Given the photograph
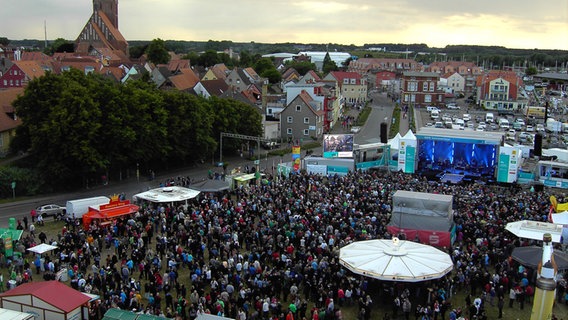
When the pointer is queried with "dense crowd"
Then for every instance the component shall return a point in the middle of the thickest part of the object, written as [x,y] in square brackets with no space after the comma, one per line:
[270,251]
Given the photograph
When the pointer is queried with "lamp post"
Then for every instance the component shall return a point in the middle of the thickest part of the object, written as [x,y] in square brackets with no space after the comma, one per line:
[137,172]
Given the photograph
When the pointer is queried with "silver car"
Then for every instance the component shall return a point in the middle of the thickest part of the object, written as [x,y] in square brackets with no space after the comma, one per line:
[50,210]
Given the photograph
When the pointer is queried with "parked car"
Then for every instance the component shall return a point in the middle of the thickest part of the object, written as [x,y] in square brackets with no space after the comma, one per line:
[270,144]
[452,106]
[530,128]
[355,129]
[540,128]
[51,210]
[466,117]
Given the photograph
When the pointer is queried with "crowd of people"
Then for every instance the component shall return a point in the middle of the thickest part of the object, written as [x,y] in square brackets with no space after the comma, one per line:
[270,251]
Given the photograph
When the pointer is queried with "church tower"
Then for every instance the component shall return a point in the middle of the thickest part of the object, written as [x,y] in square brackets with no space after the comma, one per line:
[110,9]
[101,36]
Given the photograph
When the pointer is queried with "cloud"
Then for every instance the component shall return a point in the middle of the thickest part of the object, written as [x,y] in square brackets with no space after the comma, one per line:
[510,23]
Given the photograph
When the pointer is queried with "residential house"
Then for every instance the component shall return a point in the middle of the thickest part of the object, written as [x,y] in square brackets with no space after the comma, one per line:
[16,74]
[468,70]
[185,80]
[352,86]
[218,71]
[499,90]
[452,82]
[238,80]
[302,119]
[208,88]
[290,75]
[88,65]
[421,89]
[8,119]
[386,80]
[364,65]
[310,77]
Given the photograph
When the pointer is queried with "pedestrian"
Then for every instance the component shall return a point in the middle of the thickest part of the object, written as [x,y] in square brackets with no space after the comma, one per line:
[406,308]
[33,214]
[500,304]
[512,297]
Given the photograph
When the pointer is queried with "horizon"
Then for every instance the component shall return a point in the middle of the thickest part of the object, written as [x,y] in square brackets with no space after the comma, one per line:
[520,24]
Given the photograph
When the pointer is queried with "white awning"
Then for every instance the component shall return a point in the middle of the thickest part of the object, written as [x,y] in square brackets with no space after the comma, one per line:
[42,248]
[167,194]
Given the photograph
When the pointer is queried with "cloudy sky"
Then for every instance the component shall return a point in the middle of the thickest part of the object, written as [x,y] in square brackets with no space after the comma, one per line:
[511,23]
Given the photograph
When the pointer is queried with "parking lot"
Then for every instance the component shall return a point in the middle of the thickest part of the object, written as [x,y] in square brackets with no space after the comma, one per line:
[518,131]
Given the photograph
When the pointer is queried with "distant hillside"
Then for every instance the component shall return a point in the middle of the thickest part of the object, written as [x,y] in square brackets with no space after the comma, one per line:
[490,56]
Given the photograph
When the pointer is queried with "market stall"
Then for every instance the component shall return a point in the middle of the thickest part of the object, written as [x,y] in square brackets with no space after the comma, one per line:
[106,213]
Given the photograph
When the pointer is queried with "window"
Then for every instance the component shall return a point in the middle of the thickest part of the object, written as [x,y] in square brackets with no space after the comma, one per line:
[269,111]
[353,81]
[5,82]
[306,120]
[425,86]
[289,131]
[345,81]
[306,132]
[298,108]
[432,86]
[427,98]
[412,86]
[290,119]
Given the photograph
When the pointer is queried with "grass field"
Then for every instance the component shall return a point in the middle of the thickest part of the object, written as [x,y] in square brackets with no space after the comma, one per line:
[52,228]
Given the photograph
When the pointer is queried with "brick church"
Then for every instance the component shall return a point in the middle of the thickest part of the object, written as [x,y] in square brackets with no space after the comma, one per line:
[100,37]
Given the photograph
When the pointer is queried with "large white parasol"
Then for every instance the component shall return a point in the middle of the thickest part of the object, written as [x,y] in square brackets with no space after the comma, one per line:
[395,260]
[167,194]
[534,229]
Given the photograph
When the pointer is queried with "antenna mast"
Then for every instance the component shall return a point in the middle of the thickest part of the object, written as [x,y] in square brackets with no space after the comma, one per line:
[45,31]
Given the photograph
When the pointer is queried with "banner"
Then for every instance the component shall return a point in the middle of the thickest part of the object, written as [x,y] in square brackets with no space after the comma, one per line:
[296,158]
[429,237]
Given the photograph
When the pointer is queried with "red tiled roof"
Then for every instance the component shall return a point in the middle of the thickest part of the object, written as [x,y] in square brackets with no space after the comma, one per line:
[30,68]
[7,97]
[185,80]
[53,292]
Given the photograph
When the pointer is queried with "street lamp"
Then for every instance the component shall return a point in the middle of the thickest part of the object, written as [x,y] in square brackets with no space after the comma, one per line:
[137,172]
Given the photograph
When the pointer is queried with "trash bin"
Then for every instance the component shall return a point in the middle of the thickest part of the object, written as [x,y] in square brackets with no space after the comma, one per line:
[11,284]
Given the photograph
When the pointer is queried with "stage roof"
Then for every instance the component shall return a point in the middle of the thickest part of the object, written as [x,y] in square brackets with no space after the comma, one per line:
[465,136]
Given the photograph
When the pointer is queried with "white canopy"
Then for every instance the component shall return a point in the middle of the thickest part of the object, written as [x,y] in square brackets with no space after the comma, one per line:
[560,218]
[535,229]
[167,194]
[42,248]
[395,260]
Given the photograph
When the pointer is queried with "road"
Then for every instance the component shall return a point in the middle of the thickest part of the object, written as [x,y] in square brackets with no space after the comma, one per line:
[381,107]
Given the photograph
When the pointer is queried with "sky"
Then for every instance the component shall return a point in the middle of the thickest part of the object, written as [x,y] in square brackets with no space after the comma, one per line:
[519,24]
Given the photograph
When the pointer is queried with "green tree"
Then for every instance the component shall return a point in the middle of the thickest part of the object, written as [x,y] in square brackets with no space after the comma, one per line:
[328,64]
[136,51]
[302,67]
[273,75]
[157,52]
[531,71]
[263,65]
[59,45]
[208,58]
[4,41]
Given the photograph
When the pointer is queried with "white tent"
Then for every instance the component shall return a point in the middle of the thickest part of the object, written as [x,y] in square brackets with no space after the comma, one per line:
[42,248]
[535,229]
[395,260]
[560,218]
[394,143]
[167,194]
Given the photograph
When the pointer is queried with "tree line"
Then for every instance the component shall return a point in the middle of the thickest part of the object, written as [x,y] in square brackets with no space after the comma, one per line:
[77,128]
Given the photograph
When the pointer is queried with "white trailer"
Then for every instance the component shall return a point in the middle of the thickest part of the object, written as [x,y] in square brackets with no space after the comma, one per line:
[77,208]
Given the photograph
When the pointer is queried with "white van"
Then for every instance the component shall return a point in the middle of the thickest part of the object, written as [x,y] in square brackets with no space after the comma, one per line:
[489,118]
[504,124]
